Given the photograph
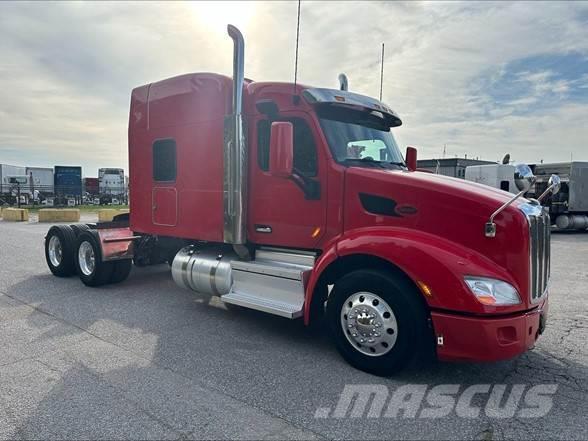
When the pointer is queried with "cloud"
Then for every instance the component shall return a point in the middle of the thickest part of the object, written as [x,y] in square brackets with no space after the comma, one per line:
[481,77]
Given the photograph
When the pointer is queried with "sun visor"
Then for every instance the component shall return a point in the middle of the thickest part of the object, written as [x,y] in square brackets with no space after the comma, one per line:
[343,98]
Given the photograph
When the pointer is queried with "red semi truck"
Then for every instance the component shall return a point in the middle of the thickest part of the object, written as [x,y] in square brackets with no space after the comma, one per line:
[296,201]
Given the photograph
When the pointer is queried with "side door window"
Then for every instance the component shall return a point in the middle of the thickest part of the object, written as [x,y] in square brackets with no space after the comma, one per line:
[305,156]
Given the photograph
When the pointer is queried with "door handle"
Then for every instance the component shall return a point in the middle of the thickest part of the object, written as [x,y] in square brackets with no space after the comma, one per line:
[263,229]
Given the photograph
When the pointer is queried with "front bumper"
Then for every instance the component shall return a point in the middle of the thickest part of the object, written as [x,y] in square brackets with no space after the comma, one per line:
[461,338]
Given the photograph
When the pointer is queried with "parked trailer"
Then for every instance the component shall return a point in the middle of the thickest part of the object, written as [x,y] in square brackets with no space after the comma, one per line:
[296,201]
[111,181]
[7,170]
[42,179]
[500,176]
[68,183]
[91,186]
[568,208]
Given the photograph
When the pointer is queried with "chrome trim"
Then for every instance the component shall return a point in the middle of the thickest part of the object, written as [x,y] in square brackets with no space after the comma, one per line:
[539,250]
[86,258]
[369,324]
[55,251]
[349,99]
[235,154]
[490,226]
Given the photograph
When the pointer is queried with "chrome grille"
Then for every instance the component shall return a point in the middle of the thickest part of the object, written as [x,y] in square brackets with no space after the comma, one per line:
[540,235]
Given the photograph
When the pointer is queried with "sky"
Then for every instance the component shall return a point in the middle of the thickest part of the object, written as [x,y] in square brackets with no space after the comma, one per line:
[480,78]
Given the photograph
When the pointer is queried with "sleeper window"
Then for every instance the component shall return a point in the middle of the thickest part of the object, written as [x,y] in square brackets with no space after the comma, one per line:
[164,160]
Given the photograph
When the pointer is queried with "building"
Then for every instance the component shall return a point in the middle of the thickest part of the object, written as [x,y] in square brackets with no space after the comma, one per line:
[454,167]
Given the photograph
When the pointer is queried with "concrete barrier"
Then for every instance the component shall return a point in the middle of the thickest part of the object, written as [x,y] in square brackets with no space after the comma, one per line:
[15,214]
[59,215]
[106,214]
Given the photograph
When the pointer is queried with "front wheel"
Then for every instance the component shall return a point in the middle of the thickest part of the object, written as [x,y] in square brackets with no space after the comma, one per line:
[377,321]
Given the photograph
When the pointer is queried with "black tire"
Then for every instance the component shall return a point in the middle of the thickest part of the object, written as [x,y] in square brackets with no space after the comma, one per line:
[66,237]
[79,228]
[102,271]
[411,335]
[121,270]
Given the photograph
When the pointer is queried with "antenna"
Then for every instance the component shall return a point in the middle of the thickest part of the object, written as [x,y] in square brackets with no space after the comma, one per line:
[382,73]
[295,100]
[444,150]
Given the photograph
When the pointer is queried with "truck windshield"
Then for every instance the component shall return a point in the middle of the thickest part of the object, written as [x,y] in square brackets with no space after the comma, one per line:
[359,137]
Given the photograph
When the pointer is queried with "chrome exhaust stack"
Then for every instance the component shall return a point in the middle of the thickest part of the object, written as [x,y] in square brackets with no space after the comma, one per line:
[235,153]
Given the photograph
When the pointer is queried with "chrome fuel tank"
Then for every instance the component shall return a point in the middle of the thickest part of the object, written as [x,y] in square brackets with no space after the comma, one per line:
[207,271]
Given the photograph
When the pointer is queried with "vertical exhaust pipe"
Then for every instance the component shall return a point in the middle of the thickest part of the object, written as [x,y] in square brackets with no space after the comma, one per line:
[235,153]
[343,82]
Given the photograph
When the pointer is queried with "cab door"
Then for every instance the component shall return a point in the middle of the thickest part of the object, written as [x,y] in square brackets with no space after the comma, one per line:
[288,212]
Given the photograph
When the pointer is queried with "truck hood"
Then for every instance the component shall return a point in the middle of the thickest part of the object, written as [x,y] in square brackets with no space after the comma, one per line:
[451,208]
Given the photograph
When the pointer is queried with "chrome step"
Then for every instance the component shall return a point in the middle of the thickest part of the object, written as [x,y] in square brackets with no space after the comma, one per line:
[272,286]
[270,306]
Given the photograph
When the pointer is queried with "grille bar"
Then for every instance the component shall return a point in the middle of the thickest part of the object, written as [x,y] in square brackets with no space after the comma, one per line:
[540,235]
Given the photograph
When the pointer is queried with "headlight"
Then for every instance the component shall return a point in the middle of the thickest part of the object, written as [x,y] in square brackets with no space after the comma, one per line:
[492,291]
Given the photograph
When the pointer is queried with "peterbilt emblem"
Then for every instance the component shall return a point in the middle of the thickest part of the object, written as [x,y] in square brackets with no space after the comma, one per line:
[406,209]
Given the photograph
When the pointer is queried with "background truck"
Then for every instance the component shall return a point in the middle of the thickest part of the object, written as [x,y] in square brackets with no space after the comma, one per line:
[111,182]
[296,201]
[568,208]
[500,176]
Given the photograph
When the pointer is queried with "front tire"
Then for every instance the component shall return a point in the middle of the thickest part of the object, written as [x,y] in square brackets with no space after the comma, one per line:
[88,257]
[377,320]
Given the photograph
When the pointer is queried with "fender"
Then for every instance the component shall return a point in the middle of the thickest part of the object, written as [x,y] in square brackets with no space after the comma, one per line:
[423,257]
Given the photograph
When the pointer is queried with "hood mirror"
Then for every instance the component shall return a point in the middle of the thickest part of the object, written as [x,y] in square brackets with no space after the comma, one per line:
[553,186]
[524,180]
[524,177]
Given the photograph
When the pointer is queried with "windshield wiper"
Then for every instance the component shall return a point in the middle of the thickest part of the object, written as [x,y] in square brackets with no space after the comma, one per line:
[369,160]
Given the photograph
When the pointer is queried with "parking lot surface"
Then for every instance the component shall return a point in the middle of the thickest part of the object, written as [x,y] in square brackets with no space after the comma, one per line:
[147,360]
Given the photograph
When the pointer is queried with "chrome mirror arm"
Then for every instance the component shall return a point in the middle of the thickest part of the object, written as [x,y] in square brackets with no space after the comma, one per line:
[547,190]
[490,226]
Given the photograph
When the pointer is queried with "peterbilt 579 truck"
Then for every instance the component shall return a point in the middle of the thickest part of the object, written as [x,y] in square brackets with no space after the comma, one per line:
[296,201]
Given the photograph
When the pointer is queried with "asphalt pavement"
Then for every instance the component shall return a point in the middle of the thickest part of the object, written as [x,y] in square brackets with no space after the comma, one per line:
[145,359]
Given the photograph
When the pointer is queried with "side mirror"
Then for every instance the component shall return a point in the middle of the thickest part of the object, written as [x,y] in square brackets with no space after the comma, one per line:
[411,158]
[555,184]
[524,177]
[281,149]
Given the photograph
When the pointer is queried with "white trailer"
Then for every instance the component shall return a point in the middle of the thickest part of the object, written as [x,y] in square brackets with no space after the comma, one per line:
[111,181]
[9,170]
[494,175]
[42,179]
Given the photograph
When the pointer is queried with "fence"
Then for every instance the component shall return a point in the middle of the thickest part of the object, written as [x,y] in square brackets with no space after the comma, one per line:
[61,195]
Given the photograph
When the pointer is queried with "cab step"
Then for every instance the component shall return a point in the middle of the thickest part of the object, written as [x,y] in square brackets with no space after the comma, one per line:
[273,283]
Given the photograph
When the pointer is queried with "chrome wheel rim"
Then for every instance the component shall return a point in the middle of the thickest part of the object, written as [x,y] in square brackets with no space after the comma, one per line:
[55,251]
[86,258]
[369,324]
